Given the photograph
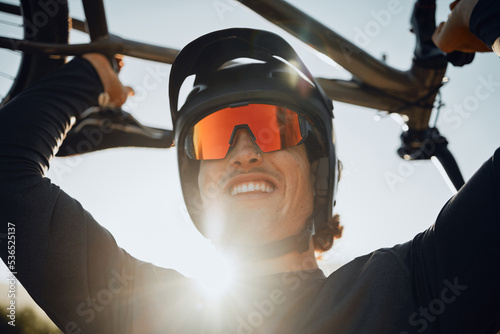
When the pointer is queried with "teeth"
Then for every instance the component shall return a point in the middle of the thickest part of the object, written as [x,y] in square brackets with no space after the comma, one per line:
[251,186]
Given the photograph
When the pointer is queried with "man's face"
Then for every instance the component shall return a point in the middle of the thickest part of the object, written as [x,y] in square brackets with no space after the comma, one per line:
[253,198]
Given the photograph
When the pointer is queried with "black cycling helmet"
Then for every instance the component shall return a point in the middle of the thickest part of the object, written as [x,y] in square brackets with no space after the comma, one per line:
[275,75]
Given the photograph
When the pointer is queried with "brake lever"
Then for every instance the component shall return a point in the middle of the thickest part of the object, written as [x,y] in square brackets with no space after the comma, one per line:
[103,128]
[425,144]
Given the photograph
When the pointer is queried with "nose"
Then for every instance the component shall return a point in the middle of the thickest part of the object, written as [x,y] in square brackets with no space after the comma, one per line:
[244,151]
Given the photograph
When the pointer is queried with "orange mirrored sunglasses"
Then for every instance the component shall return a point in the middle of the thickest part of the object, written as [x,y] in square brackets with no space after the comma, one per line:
[271,127]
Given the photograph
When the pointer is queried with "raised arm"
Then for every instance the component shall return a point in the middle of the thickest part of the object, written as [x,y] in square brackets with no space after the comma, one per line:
[69,264]
[456,263]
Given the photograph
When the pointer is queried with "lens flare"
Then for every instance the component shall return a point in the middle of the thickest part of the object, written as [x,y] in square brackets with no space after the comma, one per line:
[215,275]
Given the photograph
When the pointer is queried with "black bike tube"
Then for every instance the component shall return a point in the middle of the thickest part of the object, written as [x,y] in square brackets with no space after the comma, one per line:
[55,31]
[97,25]
[445,157]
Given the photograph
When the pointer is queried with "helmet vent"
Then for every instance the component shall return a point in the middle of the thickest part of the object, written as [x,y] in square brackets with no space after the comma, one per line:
[296,70]
[240,61]
[186,88]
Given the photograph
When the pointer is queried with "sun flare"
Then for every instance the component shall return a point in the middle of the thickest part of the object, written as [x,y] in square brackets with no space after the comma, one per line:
[214,275]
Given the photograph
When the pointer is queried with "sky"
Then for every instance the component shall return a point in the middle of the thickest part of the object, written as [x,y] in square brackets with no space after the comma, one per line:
[135,193]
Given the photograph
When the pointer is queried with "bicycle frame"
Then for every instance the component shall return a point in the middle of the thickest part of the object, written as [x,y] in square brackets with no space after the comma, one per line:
[101,40]
[374,84]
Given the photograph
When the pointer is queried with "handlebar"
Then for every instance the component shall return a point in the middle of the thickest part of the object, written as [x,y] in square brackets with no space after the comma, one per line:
[423,145]
[423,21]
[423,24]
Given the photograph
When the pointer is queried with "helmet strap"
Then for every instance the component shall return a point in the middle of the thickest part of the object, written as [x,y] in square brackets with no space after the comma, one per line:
[296,243]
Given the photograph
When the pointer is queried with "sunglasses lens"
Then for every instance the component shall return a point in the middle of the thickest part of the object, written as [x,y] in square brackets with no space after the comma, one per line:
[272,127]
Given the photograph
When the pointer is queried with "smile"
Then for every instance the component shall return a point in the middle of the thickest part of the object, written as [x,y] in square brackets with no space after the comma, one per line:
[246,187]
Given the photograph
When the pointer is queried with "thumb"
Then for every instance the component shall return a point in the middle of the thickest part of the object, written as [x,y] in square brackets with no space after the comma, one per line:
[115,97]
[436,35]
[130,91]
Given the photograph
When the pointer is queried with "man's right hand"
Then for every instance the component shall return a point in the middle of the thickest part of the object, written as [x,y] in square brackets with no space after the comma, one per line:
[115,93]
[454,34]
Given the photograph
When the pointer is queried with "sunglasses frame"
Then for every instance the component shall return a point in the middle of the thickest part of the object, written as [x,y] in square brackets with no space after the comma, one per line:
[304,126]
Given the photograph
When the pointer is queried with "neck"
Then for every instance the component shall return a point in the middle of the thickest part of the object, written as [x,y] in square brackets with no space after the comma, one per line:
[292,261]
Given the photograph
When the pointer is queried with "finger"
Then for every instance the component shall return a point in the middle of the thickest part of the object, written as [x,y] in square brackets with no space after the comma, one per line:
[454,4]
[122,98]
[130,91]
[119,62]
[440,27]
[436,36]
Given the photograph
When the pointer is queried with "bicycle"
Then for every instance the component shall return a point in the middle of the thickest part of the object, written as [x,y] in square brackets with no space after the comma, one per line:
[374,85]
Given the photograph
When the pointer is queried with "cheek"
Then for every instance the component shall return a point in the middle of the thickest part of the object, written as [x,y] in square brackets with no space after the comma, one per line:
[305,188]
[305,192]
[206,180]
[301,182]
[210,178]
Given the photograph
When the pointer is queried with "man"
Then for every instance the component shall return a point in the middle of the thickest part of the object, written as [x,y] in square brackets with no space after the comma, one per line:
[258,169]
[238,195]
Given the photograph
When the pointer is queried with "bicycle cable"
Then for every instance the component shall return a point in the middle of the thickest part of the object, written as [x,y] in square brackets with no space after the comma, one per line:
[440,104]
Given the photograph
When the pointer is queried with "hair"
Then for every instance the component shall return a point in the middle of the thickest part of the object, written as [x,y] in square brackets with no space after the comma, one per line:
[331,230]
[323,239]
